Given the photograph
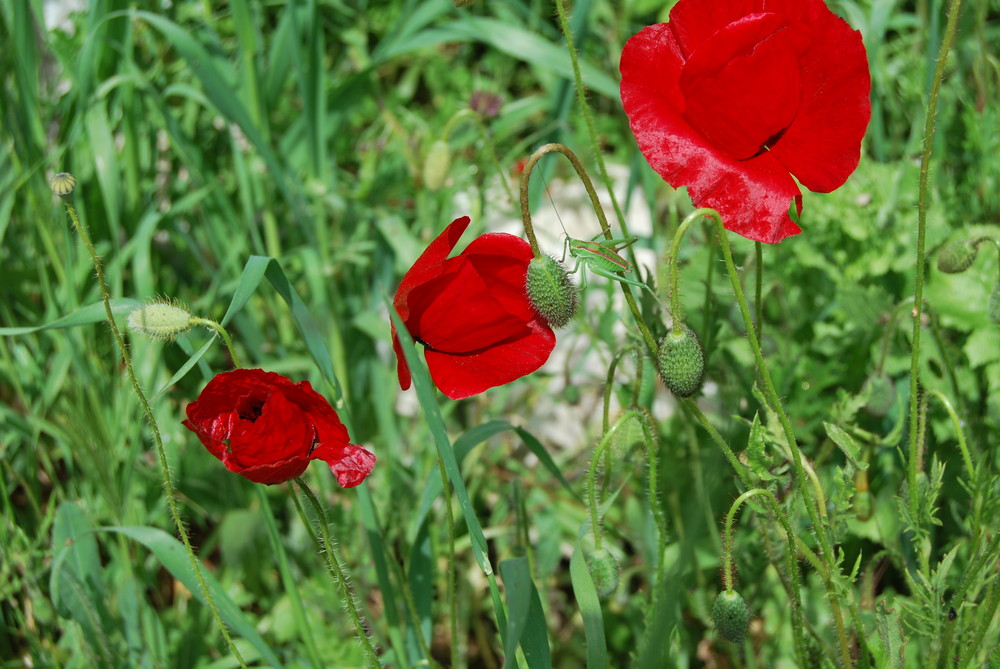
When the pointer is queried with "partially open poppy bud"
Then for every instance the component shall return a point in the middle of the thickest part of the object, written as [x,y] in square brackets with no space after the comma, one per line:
[681,361]
[958,256]
[160,320]
[551,291]
[881,393]
[63,184]
[437,164]
[604,569]
[731,616]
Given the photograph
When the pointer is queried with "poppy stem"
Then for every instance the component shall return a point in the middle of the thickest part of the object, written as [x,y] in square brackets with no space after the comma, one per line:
[339,572]
[918,292]
[815,512]
[81,231]
[581,95]
[595,202]
[221,331]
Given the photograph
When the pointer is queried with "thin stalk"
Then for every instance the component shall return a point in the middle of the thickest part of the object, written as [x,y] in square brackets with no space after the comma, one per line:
[221,331]
[339,572]
[595,202]
[759,288]
[592,505]
[826,549]
[161,455]
[581,94]
[918,292]
[452,598]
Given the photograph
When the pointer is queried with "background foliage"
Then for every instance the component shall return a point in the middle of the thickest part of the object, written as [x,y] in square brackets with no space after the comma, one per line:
[204,133]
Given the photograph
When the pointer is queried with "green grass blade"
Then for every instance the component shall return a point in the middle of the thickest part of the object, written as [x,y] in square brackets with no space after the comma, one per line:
[526,618]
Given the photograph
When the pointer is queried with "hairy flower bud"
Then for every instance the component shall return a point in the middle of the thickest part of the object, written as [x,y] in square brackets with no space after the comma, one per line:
[63,184]
[958,256]
[681,361]
[881,393]
[160,320]
[436,165]
[551,291]
[731,616]
[604,569]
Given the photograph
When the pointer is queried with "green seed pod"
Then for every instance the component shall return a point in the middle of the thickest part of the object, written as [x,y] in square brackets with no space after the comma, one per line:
[994,307]
[881,393]
[436,165]
[551,291]
[957,256]
[160,320]
[63,184]
[731,616]
[682,361]
[604,569]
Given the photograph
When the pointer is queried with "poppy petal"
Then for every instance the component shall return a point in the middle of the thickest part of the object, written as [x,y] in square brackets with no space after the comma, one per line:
[461,376]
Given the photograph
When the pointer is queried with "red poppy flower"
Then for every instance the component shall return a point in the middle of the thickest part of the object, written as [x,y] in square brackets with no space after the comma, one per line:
[471,313]
[266,428]
[732,98]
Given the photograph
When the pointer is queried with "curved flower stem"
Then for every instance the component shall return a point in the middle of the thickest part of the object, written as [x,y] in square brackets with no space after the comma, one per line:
[595,202]
[609,384]
[329,550]
[602,446]
[213,325]
[161,455]
[918,292]
[791,563]
[675,302]
[826,549]
[581,94]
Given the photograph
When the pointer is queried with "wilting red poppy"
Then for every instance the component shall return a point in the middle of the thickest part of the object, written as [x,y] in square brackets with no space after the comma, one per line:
[263,426]
[471,313]
[732,98]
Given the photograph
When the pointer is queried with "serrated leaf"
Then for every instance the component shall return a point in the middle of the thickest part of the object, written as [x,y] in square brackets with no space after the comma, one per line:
[847,445]
[890,632]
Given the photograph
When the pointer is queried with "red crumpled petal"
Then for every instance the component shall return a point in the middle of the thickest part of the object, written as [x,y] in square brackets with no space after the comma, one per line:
[461,376]
[349,463]
[753,196]
[270,473]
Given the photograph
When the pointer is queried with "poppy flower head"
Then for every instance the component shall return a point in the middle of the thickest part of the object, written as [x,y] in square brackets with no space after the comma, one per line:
[268,429]
[471,313]
[734,98]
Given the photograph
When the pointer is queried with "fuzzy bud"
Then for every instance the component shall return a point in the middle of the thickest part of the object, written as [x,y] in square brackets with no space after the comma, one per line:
[436,165]
[958,256]
[731,616]
[551,291]
[881,393]
[63,184]
[682,361]
[604,569]
[160,320]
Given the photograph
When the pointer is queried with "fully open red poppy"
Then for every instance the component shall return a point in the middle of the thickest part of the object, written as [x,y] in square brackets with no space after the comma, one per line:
[732,98]
[471,313]
[263,426]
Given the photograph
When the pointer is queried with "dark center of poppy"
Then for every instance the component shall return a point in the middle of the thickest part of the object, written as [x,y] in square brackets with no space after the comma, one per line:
[250,409]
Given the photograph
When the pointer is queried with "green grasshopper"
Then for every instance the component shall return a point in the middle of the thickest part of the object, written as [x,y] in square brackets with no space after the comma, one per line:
[602,258]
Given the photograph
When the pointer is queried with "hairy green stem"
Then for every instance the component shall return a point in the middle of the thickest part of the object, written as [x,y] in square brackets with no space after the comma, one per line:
[339,572]
[595,202]
[221,331]
[811,504]
[161,455]
[918,293]
[581,94]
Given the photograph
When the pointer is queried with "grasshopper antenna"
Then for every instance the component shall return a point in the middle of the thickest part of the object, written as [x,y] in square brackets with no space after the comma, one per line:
[553,203]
